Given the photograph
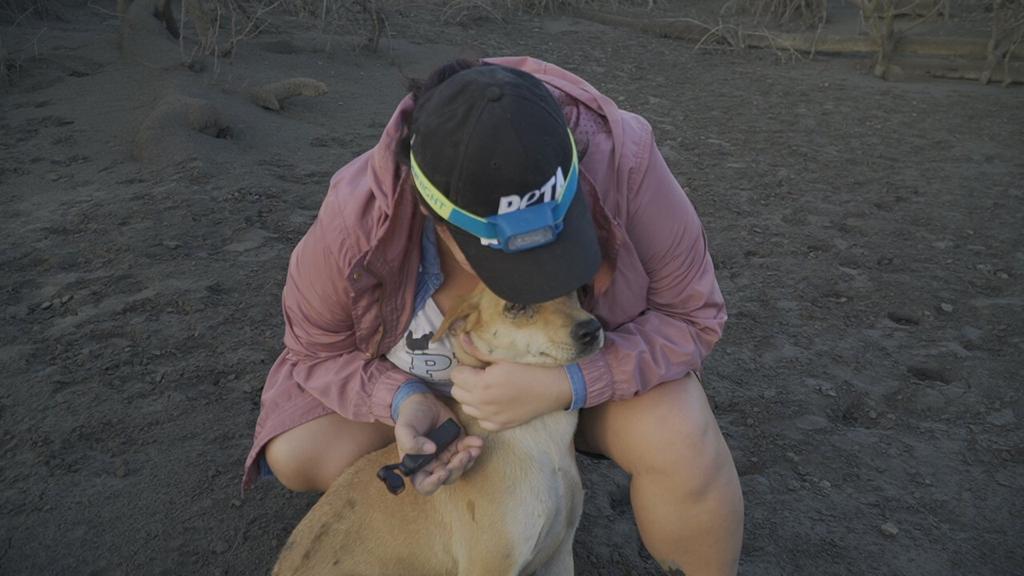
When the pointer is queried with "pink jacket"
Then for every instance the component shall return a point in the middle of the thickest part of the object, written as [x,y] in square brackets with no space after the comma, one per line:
[349,293]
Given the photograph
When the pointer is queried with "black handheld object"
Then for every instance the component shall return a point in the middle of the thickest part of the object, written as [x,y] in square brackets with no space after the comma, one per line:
[442,437]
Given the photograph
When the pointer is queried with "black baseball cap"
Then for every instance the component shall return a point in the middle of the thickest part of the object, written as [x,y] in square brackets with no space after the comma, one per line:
[494,141]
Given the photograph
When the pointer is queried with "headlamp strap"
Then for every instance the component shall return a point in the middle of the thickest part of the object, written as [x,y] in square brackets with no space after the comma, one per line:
[485,228]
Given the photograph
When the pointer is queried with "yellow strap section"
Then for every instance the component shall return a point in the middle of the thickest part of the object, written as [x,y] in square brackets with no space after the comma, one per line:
[441,204]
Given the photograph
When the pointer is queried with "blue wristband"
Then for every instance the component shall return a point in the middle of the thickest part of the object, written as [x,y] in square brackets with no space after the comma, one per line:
[404,391]
[579,386]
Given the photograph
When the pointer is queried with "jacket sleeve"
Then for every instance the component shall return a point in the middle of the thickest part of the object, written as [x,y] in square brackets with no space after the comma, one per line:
[685,311]
[320,336]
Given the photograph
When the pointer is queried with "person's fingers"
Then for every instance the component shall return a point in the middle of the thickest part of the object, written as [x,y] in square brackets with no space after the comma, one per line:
[489,425]
[410,441]
[467,442]
[428,483]
[472,410]
[461,395]
[457,466]
[473,350]
[465,377]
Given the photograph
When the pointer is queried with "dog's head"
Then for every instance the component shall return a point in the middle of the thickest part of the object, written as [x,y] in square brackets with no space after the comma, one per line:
[552,333]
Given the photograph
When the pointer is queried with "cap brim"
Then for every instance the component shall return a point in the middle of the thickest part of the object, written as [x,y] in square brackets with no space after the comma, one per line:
[540,274]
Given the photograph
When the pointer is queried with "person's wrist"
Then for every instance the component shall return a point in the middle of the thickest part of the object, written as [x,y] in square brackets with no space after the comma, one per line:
[577,387]
[562,391]
[406,392]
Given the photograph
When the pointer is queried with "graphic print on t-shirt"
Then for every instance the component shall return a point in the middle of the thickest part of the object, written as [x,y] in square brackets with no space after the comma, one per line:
[420,355]
[418,344]
[423,363]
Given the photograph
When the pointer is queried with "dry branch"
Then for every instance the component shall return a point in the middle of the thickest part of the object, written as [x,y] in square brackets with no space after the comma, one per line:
[1011,74]
[678,28]
[809,12]
[922,8]
[1006,37]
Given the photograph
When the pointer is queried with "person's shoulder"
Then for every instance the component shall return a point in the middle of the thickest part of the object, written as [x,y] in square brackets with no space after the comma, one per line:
[636,141]
[357,200]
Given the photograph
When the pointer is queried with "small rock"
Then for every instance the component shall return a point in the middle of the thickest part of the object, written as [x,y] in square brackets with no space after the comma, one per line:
[946,307]
[792,457]
[811,422]
[889,529]
[972,334]
[236,503]
[926,373]
[45,305]
[825,484]
[121,471]
[903,317]
[172,244]
[1004,417]
[793,486]
[220,547]
[872,414]
[1002,275]
[894,73]
[757,482]
[53,176]
[827,390]
[66,299]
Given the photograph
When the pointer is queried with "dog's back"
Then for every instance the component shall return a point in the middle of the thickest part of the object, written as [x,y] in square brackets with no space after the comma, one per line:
[515,512]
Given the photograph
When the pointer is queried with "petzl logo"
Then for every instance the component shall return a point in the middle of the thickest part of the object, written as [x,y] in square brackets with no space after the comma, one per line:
[545,193]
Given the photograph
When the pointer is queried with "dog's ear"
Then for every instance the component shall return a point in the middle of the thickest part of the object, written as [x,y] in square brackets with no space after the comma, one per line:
[462,319]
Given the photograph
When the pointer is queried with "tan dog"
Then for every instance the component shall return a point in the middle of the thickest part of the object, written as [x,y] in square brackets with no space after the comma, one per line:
[514,512]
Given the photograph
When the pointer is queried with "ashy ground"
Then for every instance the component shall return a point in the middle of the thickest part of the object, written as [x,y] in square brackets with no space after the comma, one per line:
[867,235]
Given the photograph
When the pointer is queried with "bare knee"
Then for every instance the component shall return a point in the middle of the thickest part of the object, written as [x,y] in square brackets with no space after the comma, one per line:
[675,436]
[293,467]
[310,458]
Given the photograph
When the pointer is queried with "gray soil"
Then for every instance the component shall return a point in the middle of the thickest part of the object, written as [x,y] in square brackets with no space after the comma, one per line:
[868,239]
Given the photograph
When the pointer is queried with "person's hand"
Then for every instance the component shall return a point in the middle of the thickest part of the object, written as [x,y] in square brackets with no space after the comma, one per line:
[418,415]
[505,394]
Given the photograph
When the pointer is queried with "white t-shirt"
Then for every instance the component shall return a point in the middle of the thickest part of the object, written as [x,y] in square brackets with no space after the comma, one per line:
[429,361]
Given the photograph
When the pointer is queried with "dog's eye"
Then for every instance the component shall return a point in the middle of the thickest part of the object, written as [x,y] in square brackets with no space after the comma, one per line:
[516,310]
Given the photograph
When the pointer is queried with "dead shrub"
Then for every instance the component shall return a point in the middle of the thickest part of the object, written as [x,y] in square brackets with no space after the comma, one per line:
[364,19]
[220,25]
[458,10]
[1007,34]
[806,13]
[880,18]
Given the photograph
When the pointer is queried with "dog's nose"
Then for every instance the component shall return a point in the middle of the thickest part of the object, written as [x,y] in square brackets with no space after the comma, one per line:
[586,333]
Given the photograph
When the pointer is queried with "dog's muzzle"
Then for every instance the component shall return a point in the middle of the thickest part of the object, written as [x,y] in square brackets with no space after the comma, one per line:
[587,335]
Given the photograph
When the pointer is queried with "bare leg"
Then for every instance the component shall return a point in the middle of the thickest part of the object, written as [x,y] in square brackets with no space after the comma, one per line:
[310,457]
[685,491]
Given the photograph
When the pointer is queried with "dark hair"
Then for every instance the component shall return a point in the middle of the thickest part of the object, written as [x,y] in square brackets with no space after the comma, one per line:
[419,89]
